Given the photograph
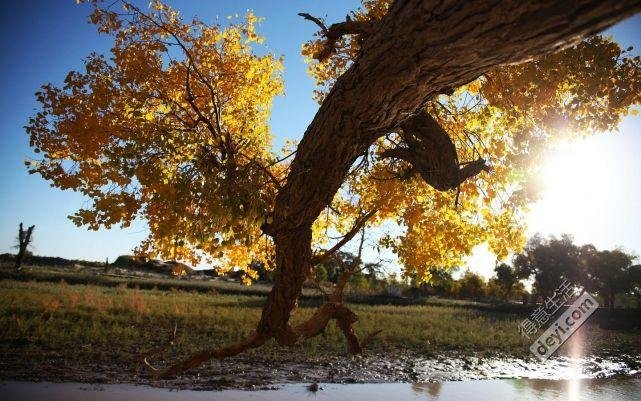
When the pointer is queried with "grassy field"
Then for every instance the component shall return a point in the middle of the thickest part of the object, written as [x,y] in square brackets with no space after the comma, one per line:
[66,324]
[117,323]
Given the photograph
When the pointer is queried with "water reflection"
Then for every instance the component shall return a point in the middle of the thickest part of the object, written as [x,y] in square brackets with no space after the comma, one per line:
[579,389]
[620,389]
[432,389]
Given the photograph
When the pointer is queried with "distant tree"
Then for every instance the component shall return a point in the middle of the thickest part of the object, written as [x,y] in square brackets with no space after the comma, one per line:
[506,278]
[610,273]
[442,282]
[24,240]
[520,293]
[471,286]
[548,262]
[494,290]
[635,281]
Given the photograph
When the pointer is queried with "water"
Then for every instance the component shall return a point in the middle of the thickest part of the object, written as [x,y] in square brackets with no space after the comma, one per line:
[619,389]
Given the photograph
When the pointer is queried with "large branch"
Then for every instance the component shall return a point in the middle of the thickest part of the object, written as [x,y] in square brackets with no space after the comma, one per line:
[431,152]
[419,48]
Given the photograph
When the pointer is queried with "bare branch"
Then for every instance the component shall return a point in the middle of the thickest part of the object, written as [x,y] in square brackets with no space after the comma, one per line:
[336,31]
[358,224]
[315,20]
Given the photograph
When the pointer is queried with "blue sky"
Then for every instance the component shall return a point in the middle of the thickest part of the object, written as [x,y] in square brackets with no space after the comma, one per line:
[45,39]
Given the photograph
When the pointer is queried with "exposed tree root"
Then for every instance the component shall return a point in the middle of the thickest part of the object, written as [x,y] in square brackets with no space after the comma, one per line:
[314,326]
[252,341]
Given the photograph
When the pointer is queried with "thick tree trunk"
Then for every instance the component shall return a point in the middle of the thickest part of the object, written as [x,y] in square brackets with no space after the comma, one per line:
[293,258]
[419,49]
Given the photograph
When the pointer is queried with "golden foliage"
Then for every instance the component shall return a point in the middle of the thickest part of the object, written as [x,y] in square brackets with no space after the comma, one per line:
[173,129]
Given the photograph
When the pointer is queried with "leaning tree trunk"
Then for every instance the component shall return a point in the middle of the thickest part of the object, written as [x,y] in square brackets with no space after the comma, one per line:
[419,49]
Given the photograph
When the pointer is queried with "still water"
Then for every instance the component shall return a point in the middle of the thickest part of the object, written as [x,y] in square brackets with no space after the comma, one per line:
[622,389]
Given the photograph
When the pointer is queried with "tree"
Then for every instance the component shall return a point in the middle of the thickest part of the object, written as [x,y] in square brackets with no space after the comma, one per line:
[548,262]
[24,240]
[635,279]
[506,278]
[471,286]
[610,273]
[173,128]
[441,283]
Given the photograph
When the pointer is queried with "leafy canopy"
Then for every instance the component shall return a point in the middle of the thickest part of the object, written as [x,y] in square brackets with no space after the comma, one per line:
[172,128]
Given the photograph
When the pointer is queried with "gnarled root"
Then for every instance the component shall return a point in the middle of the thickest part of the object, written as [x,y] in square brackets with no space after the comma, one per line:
[252,341]
[314,326]
[344,317]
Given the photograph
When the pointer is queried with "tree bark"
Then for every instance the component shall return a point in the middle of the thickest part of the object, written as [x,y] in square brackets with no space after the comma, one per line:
[419,49]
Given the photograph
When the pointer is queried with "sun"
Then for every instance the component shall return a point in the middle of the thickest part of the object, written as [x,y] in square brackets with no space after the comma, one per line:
[578,180]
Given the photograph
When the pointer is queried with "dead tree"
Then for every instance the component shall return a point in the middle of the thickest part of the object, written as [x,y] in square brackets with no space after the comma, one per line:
[419,49]
[24,239]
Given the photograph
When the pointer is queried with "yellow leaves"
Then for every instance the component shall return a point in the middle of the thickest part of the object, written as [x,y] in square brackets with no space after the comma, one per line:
[129,133]
[186,144]
[509,117]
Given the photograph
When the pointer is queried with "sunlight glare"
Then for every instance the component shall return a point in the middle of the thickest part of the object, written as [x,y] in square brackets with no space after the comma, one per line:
[578,180]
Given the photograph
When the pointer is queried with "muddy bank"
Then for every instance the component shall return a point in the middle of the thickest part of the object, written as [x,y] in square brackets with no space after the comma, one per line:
[256,372]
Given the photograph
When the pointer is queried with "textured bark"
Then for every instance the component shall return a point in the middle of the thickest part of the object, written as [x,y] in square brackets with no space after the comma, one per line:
[432,154]
[419,49]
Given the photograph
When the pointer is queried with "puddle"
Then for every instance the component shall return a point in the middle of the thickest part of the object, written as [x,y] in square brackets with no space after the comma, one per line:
[622,389]
[259,372]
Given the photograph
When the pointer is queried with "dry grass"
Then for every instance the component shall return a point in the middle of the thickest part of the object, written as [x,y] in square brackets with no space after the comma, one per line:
[114,324]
